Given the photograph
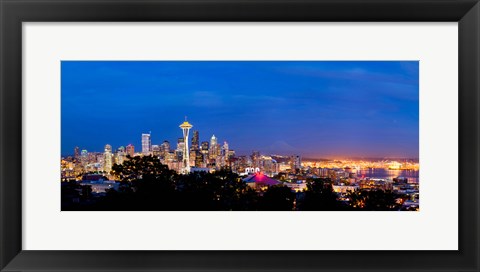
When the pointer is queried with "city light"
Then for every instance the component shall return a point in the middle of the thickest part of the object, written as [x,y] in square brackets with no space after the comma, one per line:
[258,171]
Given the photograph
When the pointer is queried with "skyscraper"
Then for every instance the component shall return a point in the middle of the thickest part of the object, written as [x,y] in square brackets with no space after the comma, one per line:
[165,148]
[225,148]
[77,152]
[205,146]
[213,141]
[195,141]
[213,147]
[130,150]
[156,150]
[185,127]
[84,157]
[225,153]
[146,144]
[180,149]
[120,155]
[255,158]
[296,162]
[204,151]
[107,156]
[180,141]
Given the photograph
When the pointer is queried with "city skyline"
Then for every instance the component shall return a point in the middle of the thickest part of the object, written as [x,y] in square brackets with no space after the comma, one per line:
[139,149]
[316,109]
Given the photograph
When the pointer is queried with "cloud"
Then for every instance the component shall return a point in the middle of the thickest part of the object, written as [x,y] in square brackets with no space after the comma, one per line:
[349,74]
[206,99]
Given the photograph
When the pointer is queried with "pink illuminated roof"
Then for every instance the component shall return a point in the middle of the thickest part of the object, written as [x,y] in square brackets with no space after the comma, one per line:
[261,178]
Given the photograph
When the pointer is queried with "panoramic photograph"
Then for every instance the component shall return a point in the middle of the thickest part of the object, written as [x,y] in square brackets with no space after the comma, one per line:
[240,136]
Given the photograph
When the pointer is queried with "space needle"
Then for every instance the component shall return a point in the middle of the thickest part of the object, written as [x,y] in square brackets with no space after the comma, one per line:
[185,126]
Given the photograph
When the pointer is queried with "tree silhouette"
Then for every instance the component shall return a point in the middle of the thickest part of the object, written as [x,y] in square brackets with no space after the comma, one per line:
[319,196]
[146,184]
[142,168]
[222,190]
[70,192]
[277,198]
[149,185]
[374,200]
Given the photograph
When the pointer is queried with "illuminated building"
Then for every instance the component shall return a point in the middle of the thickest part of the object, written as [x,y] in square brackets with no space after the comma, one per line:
[180,143]
[195,141]
[76,152]
[323,172]
[224,149]
[204,150]
[296,162]
[283,167]
[193,157]
[98,184]
[394,165]
[107,157]
[268,165]
[199,160]
[240,164]
[180,149]
[343,189]
[84,157]
[178,155]
[255,158]
[224,153]
[130,150]
[165,148]
[120,156]
[156,150]
[218,149]
[146,144]
[296,186]
[260,182]
[169,157]
[185,127]
[213,148]
[204,147]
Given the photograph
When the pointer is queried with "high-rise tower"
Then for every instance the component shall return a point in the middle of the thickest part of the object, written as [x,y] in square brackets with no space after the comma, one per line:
[120,155]
[77,152]
[84,157]
[165,148]
[213,147]
[185,127]
[130,150]
[107,156]
[146,144]
[195,140]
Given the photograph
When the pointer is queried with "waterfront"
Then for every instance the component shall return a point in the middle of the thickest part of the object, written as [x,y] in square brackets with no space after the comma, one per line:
[389,174]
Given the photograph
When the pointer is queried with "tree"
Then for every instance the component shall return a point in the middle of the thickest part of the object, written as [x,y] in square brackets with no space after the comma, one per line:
[146,184]
[221,190]
[141,168]
[277,198]
[75,196]
[70,195]
[375,200]
[319,196]
[86,191]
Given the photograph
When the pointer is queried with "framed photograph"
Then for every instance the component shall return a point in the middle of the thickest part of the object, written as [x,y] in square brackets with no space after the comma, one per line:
[239,135]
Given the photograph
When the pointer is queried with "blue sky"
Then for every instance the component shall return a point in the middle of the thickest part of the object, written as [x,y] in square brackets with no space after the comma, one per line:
[321,109]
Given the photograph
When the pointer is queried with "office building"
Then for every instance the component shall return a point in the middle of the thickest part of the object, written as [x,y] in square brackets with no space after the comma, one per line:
[146,144]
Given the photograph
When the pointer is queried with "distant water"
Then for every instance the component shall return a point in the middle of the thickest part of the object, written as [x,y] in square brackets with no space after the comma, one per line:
[388,174]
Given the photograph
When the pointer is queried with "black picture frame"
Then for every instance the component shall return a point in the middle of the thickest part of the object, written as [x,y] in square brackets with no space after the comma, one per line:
[14,12]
